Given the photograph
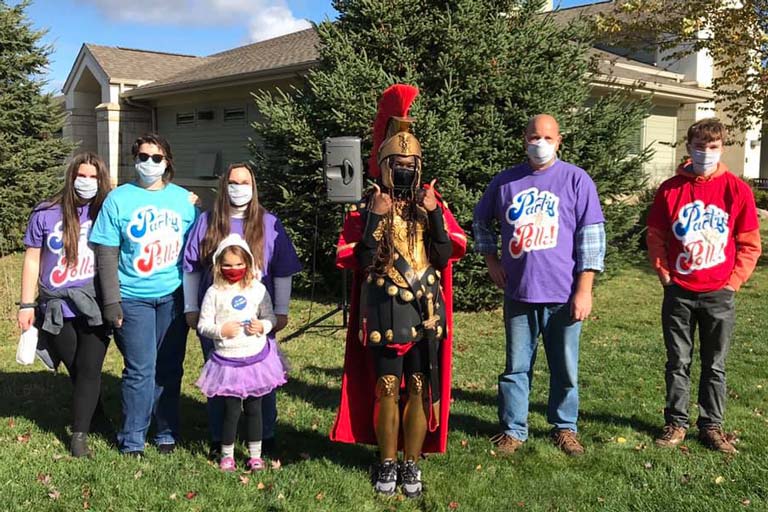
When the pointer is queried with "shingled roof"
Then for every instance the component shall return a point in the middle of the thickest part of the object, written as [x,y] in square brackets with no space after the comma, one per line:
[128,63]
[296,50]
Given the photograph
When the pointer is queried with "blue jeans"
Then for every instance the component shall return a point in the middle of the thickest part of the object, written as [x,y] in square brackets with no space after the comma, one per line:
[524,322]
[152,339]
[215,405]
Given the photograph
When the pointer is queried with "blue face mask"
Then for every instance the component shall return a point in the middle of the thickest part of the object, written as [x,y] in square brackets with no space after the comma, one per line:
[86,188]
[705,162]
[149,172]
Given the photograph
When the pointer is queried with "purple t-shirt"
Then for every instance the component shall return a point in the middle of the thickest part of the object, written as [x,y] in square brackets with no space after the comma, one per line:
[44,231]
[279,255]
[539,213]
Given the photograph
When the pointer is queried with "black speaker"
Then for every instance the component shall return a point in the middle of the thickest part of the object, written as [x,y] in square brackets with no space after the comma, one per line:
[343,169]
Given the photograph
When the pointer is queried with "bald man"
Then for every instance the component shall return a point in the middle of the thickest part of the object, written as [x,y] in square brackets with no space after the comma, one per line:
[553,243]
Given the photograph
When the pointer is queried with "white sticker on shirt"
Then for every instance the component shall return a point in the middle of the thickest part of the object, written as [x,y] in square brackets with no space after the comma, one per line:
[84,268]
[703,232]
[535,218]
[159,235]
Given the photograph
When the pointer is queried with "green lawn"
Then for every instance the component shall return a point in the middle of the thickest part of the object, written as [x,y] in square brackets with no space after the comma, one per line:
[622,397]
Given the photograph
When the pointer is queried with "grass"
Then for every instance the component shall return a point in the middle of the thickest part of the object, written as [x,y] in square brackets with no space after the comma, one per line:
[622,394]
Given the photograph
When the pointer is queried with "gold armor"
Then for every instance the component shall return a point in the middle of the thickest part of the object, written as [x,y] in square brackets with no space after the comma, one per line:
[387,415]
[415,255]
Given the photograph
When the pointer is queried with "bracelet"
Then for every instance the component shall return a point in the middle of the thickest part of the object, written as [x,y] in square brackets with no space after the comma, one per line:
[26,305]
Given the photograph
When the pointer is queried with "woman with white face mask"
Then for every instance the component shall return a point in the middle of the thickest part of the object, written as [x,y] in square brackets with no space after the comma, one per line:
[237,211]
[61,264]
[140,234]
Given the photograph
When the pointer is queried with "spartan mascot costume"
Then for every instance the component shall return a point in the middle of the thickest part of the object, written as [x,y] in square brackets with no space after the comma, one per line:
[400,243]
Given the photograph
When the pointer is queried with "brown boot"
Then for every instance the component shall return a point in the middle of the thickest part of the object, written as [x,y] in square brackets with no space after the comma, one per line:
[714,438]
[568,441]
[506,444]
[671,436]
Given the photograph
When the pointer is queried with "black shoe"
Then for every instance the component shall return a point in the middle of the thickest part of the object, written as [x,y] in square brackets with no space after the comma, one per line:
[136,454]
[166,449]
[269,447]
[410,477]
[78,446]
[385,477]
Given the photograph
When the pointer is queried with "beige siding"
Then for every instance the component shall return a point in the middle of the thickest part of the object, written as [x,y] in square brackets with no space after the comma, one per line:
[660,133]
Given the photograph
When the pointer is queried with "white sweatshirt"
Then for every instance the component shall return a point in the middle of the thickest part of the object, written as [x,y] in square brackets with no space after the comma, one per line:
[230,302]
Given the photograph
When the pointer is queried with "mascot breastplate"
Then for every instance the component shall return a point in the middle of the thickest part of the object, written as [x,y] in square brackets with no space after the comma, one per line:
[414,251]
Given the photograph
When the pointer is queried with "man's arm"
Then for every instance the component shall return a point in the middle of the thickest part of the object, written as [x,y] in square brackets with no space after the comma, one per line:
[590,259]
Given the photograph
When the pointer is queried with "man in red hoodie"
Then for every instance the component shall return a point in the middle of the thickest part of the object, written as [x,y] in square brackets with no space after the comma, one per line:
[704,242]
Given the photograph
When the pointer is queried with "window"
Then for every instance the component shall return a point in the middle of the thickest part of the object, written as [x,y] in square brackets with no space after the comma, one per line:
[234,114]
[185,118]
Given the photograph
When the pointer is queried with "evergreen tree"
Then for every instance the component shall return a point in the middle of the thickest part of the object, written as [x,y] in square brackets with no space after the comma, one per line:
[484,68]
[30,154]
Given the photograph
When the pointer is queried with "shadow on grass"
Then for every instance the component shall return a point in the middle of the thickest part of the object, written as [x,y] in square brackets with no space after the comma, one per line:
[45,398]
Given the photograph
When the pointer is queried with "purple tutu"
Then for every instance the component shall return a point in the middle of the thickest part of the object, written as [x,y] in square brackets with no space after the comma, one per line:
[243,377]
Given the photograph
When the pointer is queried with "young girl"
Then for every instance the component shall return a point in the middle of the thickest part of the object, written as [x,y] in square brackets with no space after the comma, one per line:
[59,262]
[237,315]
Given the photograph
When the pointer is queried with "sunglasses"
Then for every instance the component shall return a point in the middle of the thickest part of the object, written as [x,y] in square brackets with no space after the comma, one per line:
[157,158]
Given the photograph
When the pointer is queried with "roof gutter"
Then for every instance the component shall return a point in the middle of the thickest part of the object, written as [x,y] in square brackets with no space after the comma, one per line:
[150,91]
[666,91]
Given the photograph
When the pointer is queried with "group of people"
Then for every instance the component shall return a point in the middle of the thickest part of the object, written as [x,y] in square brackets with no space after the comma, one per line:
[141,263]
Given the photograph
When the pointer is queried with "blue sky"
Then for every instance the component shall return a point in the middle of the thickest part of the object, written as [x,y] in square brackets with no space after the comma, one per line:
[196,27]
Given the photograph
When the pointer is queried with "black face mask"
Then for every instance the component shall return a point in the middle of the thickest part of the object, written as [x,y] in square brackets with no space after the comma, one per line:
[402,179]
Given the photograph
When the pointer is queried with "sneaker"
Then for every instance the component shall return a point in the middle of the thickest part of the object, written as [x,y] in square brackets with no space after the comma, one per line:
[410,477]
[136,454]
[506,444]
[568,441]
[227,464]
[385,477]
[671,436]
[714,438]
[166,449]
[254,464]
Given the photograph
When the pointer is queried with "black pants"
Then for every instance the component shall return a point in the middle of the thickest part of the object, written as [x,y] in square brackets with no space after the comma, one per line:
[232,407]
[387,362]
[82,349]
[714,313]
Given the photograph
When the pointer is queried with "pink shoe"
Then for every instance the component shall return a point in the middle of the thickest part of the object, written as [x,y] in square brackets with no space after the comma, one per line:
[227,464]
[254,464]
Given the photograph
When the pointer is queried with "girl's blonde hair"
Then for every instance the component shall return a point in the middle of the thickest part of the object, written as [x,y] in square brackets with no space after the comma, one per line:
[238,251]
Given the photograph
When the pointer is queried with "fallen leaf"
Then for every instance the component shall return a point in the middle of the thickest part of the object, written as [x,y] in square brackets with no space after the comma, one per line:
[244,479]
[648,465]
[720,480]
[24,438]
[314,426]
[172,496]
[600,499]
[43,478]
[746,503]
[493,453]
[640,447]
[54,494]
[521,504]
[191,495]
[685,479]
[86,505]
[86,493]
[137,475]
[684,449]
[281,496]
[305,455]
[479,467]
[11,422]
[453,505]
[464,443]
[57,456]
[261,486]
[319,496]
[621,440]
[276,464]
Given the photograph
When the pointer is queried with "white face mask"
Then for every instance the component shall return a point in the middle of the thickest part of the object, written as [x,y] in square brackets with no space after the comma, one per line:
[149,172]
[705,162]
[541,151]
[86,188]
[240,195]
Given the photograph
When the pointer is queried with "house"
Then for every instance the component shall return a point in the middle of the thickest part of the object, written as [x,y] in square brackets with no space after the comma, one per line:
[203,105]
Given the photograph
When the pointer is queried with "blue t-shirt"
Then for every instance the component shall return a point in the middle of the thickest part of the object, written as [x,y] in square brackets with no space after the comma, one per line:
[150,227]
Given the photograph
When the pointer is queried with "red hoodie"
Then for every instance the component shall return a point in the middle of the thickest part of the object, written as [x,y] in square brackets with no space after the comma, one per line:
[703,232]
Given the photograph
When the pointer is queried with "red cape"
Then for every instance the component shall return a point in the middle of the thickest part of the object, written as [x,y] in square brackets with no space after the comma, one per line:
[354,420]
